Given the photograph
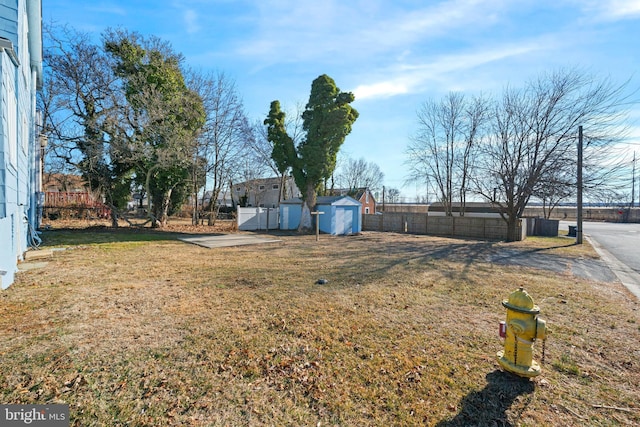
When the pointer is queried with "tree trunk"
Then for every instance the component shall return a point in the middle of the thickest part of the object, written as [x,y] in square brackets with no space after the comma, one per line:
[114,216]
[154,221]
[283,190]
[162,213]
[194,214]
[514,232]
[213,207]
[308,206]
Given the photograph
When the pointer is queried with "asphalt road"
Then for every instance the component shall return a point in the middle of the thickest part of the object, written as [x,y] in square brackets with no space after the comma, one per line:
[619,246]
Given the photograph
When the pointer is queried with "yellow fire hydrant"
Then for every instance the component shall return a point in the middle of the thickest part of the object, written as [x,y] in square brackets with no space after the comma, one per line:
[520,331]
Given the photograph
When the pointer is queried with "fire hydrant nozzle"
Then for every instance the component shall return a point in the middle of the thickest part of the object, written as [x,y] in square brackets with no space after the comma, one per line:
[523,328]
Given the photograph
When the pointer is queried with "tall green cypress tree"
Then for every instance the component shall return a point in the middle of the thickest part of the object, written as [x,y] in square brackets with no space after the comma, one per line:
[327,120]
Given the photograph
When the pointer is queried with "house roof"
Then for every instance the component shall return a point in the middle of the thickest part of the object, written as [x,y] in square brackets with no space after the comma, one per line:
[357,193]
[257,181]
[362,191]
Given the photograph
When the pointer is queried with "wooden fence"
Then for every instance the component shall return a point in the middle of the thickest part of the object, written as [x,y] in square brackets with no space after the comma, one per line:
[73,204]
[449,226]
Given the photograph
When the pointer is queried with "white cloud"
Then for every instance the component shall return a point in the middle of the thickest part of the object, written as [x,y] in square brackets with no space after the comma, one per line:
[621,9]
[288,31]
[190,18]
[383,89]
[409,78]
[612,10]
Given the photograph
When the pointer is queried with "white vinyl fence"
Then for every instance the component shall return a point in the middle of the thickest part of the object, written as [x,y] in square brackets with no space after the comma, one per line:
[251,219]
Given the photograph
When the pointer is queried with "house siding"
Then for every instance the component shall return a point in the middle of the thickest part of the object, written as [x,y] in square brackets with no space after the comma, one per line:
[368,202]
[264,192]
[9,20]
[11,167]
[18,143]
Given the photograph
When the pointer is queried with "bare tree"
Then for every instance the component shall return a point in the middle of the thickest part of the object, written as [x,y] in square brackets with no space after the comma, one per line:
[533,135]
[555,188]
[224,138]
[355,174]
[603,179]
[442,152]
[80,100]
[392,195]
[261,148]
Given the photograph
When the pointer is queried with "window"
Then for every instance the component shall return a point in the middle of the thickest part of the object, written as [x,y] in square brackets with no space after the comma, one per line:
[261,188]
[275,186]
[366,210]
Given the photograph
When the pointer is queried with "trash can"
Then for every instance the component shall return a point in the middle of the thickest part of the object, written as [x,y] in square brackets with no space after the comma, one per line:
[572,231]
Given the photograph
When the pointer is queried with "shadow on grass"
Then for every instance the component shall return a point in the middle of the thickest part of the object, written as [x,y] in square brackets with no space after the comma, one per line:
[489,406]
[390,255]
[468,252]
[525,252]
[101,234]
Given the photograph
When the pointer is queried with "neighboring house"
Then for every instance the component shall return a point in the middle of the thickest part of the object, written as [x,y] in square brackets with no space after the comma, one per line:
[20,143]
[263,192]
[363,195]
[223,199]
[340,214]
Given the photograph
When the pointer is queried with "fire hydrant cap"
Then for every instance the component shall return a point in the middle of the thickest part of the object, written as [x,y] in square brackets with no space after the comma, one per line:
[522,302]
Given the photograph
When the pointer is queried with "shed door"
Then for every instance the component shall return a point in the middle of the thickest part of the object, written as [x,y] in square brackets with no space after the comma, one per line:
[284,221]
[344,221]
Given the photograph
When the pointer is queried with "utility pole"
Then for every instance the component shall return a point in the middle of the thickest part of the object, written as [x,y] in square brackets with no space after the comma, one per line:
[383,194]
[633,182]
[579,227]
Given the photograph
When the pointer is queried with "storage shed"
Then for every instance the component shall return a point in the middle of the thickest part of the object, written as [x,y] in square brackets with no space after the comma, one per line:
[341,214]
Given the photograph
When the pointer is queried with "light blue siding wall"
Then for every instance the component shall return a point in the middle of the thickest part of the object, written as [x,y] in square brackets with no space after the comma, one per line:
[326,219]
[341,217]
[17,166]
[290,216]
[9,226]
[9,20]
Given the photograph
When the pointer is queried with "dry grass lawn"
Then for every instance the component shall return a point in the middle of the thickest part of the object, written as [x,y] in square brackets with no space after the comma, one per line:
[132,327]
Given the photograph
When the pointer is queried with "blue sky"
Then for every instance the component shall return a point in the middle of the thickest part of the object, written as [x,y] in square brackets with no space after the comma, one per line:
[393,54]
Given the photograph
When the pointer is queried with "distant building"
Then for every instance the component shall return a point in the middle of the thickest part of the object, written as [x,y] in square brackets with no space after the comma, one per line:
[264,192]
[223,199]
[363,195]
[21,145]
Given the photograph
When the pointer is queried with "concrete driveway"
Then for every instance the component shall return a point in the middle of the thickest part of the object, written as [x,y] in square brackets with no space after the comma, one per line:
[222,240]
